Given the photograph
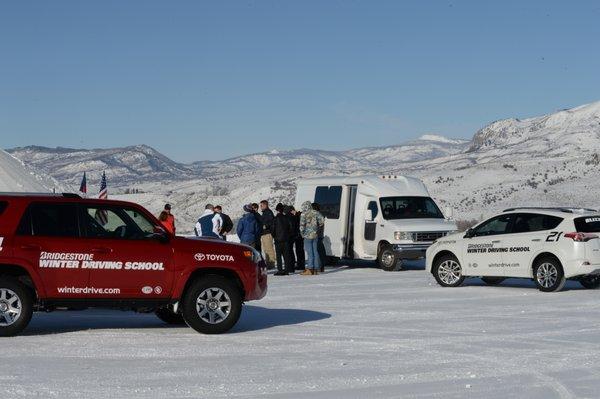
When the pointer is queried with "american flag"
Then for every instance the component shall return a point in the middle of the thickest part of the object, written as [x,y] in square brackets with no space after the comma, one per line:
[103,190]
[83,186]
[102,214]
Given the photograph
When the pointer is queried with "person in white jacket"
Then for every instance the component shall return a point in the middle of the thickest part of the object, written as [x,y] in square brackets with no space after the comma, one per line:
[209,224]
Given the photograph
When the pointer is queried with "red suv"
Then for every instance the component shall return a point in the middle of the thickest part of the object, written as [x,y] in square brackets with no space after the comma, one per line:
[62,251]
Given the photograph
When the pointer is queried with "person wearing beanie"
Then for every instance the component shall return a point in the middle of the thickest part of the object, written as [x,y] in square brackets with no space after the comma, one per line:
[311,221]
[248,229]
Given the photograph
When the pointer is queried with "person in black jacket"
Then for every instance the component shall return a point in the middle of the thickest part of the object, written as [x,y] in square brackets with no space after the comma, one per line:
[287,211]
[281,229]
[266,238]
[297,240]
[227,224]
[255,209]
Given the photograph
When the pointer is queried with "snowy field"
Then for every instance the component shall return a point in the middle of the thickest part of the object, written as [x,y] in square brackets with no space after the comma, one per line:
[354,332]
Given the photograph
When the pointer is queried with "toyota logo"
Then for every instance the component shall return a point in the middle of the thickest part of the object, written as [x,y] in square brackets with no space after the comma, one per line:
[199,257]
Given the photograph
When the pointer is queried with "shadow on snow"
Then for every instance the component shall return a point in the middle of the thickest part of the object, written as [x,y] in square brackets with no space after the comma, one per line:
[253,318]
[258,318]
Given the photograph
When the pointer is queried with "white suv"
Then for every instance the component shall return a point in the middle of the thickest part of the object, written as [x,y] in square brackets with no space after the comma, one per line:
[549,245]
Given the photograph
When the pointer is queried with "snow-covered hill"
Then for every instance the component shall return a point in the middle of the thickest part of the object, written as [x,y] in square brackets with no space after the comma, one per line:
[16,176]
[125,165]
[563,133]
[370,158]
[548,160]
[426,147]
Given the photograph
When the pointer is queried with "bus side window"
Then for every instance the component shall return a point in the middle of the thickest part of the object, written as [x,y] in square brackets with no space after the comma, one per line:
[329,199]
[373,208]
[371,225]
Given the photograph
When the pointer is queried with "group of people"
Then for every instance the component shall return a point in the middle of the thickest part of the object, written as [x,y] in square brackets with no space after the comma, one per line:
[285,237]
[289,239]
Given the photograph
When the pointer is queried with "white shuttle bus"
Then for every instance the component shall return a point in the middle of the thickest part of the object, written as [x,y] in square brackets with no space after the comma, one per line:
[382,218]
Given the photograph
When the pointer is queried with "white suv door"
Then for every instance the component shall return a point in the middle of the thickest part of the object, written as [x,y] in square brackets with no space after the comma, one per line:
[480,255]
[530,232]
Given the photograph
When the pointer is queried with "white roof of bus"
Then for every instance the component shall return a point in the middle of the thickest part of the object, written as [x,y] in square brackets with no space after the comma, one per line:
[383,185]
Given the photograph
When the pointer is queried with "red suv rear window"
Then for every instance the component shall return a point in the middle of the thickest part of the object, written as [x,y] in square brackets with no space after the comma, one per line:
[3,206]
[588,224]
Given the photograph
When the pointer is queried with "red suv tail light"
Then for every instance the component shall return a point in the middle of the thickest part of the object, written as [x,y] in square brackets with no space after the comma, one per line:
[581,237]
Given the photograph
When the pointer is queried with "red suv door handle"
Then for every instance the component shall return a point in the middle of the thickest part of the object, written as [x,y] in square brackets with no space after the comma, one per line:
[102,250]
[31,247]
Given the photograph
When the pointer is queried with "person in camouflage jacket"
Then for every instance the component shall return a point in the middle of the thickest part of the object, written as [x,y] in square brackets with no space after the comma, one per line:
[310,223]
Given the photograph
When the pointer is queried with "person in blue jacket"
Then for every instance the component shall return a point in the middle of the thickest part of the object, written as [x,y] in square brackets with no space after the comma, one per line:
[248,230]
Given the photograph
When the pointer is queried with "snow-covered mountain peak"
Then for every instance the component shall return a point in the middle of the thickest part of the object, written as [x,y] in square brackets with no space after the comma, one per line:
[125,164]
[543,133]
[440,139]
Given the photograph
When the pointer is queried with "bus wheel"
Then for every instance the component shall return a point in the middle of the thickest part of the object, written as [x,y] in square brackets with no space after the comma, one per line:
[388,259]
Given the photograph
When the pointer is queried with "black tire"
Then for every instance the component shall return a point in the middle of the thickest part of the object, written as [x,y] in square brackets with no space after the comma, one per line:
[167,315]
[216,285]
[590,282]
[11,288]
[493,280]
[548,274]
[442,266]
[388,260]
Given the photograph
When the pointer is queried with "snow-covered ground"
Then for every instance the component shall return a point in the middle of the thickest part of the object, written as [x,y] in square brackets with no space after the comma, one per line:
[354,332]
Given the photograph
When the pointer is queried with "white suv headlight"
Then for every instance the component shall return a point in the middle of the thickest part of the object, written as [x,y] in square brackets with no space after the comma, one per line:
[451,232]
[402,235]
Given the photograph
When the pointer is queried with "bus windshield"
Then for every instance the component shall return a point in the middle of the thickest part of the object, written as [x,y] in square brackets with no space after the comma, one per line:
[409,208]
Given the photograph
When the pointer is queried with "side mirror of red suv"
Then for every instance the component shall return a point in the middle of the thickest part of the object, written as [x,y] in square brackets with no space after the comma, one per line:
[163,237]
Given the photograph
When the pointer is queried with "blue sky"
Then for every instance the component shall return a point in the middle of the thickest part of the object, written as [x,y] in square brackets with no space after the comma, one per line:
[209,80]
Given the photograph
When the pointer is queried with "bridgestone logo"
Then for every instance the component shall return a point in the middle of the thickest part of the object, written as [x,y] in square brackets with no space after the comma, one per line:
[213,257]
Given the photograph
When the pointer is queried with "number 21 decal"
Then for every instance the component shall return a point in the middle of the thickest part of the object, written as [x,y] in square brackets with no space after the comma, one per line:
[554,236]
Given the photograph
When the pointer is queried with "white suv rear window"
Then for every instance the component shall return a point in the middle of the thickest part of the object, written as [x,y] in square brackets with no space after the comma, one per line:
[588,224]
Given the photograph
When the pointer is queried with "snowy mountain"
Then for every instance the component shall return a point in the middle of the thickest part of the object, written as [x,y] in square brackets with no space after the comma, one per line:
[143,164]
[551,160]
[16,176]
[130,164]
[370,158]
[548,160]
[424,148]
[563,132]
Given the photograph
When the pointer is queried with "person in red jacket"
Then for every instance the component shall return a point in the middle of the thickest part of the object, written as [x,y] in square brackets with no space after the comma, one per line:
[169,221]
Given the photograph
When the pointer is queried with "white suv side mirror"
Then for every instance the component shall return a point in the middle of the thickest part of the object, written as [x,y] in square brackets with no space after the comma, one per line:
[449,212]
[369,215]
